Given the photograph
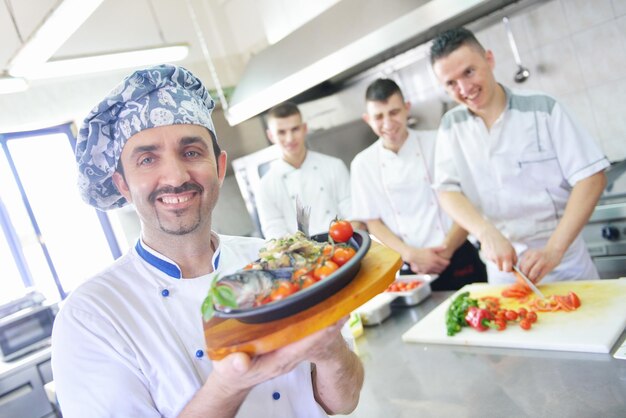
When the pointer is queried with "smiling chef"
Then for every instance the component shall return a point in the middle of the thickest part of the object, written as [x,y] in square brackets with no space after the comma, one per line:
[129,342]
[513,168]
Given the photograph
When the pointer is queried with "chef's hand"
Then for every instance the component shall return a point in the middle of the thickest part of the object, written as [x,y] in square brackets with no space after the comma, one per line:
[497,248]
[239,372]
[538,262]
[235,375]
[426,260]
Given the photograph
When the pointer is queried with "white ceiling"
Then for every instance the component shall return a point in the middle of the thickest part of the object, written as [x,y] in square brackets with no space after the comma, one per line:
[232,30]
[119,25]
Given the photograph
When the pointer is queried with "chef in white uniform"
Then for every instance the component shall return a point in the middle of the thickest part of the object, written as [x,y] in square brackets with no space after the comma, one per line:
[129,342]
[513,168]
[392,193]
[319,181]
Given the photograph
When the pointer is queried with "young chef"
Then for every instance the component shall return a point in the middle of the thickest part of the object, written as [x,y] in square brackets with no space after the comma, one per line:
[513,168]
[129,342]
[392,194]
[320,181]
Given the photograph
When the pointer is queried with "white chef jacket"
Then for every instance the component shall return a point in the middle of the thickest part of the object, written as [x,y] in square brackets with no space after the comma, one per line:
[129,342]
[396,188]
[322,182]
[520,173]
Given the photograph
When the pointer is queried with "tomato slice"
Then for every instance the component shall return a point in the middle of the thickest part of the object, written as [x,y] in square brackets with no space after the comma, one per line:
[567,303]
[516,291]
[574,300]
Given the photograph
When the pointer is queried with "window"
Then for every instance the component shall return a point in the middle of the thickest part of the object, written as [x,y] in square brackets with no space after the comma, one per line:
[52,240]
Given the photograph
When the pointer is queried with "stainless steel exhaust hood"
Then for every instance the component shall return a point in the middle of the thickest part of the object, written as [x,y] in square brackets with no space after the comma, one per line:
[346,39]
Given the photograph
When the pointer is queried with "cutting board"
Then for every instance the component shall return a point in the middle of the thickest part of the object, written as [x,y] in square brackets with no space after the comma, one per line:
[377,272]
[593,328]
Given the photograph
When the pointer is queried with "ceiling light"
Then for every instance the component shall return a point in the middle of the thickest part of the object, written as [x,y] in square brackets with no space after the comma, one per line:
[55,30]
[106,62]
[12,85]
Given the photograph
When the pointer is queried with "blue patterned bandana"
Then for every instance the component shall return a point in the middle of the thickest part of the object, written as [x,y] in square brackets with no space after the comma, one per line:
[157,96]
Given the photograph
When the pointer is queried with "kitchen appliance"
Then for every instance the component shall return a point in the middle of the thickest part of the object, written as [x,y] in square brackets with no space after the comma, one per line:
[25,326]
[331,57]
[605,233]
[594,327]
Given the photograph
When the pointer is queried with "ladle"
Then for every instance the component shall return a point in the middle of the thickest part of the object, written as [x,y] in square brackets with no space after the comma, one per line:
[522,72]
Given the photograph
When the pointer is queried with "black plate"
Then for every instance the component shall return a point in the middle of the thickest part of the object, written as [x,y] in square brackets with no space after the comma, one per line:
[312,295]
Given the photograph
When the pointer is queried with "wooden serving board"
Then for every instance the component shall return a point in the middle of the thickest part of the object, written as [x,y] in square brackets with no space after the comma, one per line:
[377,272]
[593,328]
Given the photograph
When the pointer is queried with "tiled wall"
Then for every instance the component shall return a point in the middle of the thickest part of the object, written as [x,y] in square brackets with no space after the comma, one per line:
[576,51]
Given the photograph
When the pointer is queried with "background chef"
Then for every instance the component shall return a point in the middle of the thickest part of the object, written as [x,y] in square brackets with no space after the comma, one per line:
[392,194]
[514,168]
[319,181]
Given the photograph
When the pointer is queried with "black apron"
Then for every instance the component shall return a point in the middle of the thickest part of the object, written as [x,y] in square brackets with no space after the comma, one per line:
[465,267]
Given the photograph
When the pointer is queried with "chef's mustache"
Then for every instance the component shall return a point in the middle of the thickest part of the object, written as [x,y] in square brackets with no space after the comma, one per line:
[185,187]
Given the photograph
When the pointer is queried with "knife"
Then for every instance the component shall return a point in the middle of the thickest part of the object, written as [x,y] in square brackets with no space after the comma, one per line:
[529,282]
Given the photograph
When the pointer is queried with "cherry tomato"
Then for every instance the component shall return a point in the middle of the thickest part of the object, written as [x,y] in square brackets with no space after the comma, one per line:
[501,324]
[511,315]
[522,312]
[307,280]
[325,269]
[284,289]
[343,254]
[303,271]
[340,230]
[532,316]
[327,251]
[525,324]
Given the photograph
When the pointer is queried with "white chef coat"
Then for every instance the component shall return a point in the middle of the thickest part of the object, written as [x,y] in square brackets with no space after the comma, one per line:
[129,342]
[322,182]
[396,188]
[520,173]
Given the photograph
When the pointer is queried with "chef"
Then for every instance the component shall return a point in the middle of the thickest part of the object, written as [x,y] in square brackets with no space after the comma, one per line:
[319,181]
[513,168]
[392,194]
[129,342]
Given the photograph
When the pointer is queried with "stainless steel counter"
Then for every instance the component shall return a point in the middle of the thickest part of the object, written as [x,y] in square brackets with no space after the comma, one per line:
[406,380]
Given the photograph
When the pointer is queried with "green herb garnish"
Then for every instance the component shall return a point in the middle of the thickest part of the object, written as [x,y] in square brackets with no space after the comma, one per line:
[218,295]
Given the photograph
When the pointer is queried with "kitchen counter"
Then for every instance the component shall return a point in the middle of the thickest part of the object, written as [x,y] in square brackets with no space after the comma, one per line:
[405,380]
